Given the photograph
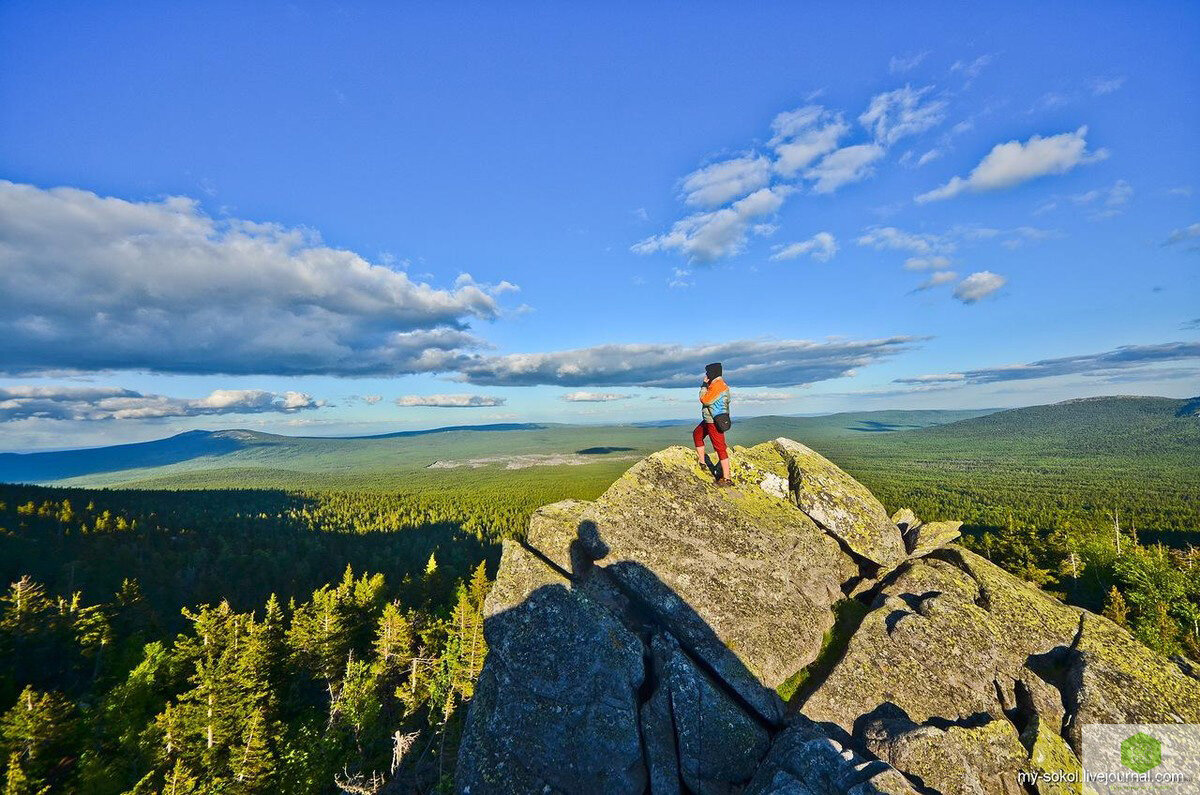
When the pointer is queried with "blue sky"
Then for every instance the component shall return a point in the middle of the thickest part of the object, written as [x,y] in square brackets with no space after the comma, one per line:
[308,219]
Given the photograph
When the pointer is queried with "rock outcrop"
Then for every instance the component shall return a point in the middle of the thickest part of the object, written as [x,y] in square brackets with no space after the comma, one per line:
[645,641]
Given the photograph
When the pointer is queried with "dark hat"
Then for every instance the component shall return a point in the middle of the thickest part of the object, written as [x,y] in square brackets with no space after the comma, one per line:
[713,370]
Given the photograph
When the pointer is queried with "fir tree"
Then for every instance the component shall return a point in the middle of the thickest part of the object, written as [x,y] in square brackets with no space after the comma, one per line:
[1115,608]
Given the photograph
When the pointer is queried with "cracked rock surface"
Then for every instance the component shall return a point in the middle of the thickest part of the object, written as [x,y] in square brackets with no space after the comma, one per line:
[641,643]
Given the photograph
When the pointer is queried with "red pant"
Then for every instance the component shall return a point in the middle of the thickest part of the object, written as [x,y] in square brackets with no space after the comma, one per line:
[718,438]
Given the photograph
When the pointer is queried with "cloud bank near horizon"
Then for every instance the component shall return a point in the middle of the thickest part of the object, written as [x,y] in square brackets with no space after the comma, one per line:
[160,286]
[766,363]
[89,403]
[1118,361]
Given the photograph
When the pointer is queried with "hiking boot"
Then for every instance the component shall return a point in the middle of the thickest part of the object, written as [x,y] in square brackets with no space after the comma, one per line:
[724,482]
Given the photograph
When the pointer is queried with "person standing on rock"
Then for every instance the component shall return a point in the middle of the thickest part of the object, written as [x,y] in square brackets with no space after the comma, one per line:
[714,409]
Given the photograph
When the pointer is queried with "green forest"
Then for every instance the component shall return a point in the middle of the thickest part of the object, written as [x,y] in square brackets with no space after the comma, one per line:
[204,638]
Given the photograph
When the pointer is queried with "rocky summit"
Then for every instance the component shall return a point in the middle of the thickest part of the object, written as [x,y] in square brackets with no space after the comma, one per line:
[783,635]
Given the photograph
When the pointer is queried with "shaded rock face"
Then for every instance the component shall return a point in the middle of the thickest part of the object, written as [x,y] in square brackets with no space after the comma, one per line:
[556,707]
[639,643]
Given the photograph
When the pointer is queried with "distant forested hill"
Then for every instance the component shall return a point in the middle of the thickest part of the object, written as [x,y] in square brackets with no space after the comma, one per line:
[327,592]
[241,457]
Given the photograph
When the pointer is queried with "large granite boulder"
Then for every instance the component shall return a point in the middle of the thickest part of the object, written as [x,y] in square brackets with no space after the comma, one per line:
[638,642]
[944,637]
[556,707]
[718,743]
[976,757]
[841,505]
[741,578]
[803,760]
[1112,678]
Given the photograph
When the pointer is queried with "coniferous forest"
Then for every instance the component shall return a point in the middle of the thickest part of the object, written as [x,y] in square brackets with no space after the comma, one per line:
[200,642]
[327,640]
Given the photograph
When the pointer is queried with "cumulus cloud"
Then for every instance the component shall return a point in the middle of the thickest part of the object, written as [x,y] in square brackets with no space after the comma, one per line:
[1106,363]
[820,246]
[94,283]
[704,237]
[978,286]
[896,114]
[594,397]
[800,136]
[844,166]
[449,401]
[778,363]
[718,183]
[114,403]
[804,150]
[1012,163]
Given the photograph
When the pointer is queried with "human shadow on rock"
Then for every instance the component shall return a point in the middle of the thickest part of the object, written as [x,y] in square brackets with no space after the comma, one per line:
[611,682]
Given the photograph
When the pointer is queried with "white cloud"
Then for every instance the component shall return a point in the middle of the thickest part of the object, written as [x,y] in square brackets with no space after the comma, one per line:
[821,246]
[769,363]
[1101,86]
[594,397]
[1028,234]
[705,237]
[1012,163]
[1191,232]
[93,283]
[896,114]
[844,166]
[906,63]
[765,396]
[972,68]
[1104,364]
[87,403]
[929,157]
[926,263]
[889,237]
[801,136]
[978,285]
[937,279]
[1113,198]
[371,400]
[718,183]
[449,401]
[680,278]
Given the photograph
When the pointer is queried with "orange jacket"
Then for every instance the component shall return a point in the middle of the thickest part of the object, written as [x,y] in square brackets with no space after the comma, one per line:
[715,399]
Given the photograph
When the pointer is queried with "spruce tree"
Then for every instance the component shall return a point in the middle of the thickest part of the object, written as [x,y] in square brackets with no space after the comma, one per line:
[252,761]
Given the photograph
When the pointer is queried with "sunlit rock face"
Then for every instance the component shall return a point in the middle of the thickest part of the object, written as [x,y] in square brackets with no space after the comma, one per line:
[782,635]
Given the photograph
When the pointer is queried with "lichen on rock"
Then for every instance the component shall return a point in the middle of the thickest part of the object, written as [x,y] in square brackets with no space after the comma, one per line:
[638,640]
[841,505]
